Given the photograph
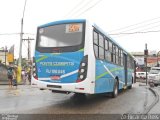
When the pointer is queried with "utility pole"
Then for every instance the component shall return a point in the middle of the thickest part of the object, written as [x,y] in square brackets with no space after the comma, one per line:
[29,57]
[5,53]
[145,59]
[20,47]
[157,59]
[29,47]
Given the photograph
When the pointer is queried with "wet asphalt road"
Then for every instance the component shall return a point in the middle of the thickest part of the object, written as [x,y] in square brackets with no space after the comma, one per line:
[156,108]
[27,100]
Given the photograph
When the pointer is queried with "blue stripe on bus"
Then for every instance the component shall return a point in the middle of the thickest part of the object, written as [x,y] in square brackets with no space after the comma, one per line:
[63,22]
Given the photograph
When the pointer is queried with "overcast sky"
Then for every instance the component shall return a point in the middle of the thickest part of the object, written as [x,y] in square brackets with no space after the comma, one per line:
[132,23]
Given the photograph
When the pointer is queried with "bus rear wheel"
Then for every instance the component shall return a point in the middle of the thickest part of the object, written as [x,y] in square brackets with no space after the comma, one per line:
[115,90]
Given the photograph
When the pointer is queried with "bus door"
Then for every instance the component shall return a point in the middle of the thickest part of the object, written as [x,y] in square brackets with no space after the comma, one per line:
[125,67]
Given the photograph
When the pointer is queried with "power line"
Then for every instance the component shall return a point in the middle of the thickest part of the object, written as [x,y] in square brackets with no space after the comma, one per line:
[140,32]
[134,24]
[89,8]
[150,27]
[73,9]
[9,33]
[29,33]
[29,47]
[16,33]
[80,8]
[142,26]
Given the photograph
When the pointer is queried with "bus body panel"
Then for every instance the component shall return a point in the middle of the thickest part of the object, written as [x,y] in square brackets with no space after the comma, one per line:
[105,76]
[64,66]
[88,49]
[130,77]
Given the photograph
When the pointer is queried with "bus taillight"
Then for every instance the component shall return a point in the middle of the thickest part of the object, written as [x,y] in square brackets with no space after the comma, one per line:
[82,74]
[34,71]
[35,77]
[77,81]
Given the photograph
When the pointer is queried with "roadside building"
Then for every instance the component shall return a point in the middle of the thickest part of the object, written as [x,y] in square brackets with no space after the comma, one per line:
[3,57]
[152,60]
[7,56]
[3,74]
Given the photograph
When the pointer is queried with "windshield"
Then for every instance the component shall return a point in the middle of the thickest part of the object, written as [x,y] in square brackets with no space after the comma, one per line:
[62,35]
[154,71]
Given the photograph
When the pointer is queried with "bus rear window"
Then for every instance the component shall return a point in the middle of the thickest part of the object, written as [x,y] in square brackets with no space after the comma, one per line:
[63,35]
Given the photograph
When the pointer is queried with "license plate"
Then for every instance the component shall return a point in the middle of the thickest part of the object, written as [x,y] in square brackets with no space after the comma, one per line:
[55,77]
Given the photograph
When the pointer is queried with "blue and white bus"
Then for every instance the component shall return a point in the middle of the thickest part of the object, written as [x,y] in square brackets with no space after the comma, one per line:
[75,56]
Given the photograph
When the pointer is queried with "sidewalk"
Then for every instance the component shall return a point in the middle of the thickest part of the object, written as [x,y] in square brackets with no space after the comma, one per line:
[5,87]
[6,82]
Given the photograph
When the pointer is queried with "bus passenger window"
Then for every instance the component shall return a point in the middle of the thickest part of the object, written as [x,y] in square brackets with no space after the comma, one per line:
[108,55]
[95,37]
[122,58]
[113,54]
[106,44]
[96,50]
[110,46]
[101,53]
[101,41]
[119,56]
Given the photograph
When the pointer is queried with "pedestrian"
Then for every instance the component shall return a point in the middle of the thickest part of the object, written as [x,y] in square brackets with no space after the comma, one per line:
[15,77]
[23,77]
[26,76]
[10,76]
[29,76]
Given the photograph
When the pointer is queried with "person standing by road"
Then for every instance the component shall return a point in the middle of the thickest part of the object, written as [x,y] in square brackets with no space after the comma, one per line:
[23,77]
[10,76]
[15,77]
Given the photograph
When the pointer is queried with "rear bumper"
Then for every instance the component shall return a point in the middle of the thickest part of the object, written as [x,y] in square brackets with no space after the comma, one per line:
[82,87]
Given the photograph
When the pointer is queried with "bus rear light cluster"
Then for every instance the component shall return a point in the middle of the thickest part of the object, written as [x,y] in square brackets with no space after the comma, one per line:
[82,74]
[34,71]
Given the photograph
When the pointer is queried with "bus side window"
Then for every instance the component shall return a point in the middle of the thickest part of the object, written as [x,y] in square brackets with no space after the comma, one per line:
[101,47]
[101,41]
[106,44]
[113,53]
[110,50]
[116,53]
[108,55]
[95,43]
[121,57]
[107,52]
[95,37]
[101,53]
[96,50]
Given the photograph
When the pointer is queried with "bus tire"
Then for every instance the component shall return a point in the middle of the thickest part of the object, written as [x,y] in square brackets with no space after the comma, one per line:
[115,90]
[130,87]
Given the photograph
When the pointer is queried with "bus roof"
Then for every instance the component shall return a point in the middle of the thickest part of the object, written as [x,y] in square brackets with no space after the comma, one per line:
[63,22]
